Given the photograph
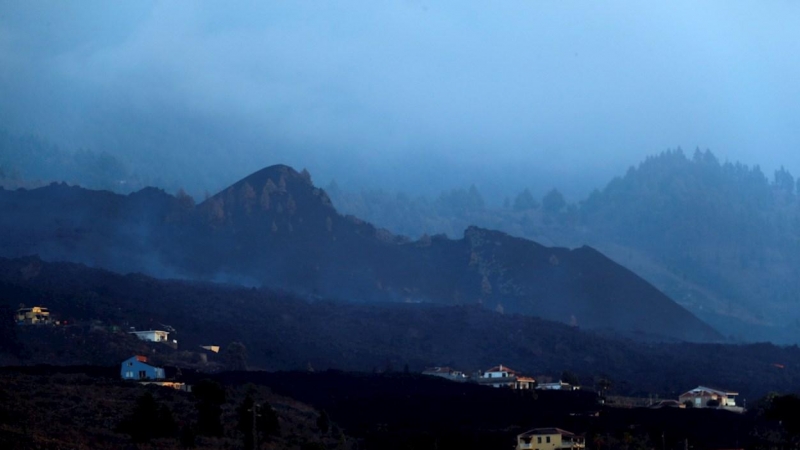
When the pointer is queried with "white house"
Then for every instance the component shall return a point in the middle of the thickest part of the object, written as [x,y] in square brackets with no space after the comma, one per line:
[706,397]
[153,336]
[500,371]
[502,376]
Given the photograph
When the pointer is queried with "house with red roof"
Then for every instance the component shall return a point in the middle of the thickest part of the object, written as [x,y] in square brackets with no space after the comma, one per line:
[137,368]
[503,376]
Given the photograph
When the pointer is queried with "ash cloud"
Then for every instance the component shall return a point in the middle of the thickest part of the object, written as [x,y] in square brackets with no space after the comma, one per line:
[404,95]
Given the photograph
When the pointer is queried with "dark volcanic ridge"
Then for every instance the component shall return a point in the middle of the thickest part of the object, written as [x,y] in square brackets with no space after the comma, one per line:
[283,332]
[275,228]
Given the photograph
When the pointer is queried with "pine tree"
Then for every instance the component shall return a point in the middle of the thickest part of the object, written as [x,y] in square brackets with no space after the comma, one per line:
[553,202]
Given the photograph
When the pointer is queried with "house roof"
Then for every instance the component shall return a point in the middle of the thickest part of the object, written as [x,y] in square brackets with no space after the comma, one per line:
[705,389]
[542,431]
[141,358]
[501,368]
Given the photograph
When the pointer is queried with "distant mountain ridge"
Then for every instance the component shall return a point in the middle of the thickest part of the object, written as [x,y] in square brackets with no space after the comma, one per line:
[276,228]
[721,238]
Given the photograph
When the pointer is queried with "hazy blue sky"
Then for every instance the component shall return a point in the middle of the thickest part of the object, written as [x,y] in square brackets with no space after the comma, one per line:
[412,95]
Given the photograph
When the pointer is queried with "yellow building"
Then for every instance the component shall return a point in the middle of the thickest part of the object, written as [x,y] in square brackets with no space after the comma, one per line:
[549,439]
[36,315]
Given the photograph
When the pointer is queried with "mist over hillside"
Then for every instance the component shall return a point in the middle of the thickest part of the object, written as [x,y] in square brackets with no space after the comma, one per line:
[275,228]
[410,95]
[721,238]
[363,186]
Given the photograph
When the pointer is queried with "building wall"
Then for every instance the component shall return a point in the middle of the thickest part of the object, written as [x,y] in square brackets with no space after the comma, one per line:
[34,315]
[495,374]
[152,335]
[555,442]
[133,369]
[701,401]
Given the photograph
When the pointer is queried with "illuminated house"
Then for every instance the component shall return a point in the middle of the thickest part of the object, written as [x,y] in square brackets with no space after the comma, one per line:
[152,335]
[548,439]
[706,397]
[37,315]
[136,368]
[502,376]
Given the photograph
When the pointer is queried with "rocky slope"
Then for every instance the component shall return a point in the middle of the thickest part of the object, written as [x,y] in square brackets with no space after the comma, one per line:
[275,228]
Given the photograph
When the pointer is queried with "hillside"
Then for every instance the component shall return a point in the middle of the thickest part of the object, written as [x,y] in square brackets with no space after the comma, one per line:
[719,238]
[339,410]
[275,228]
[283,332]
[87,408]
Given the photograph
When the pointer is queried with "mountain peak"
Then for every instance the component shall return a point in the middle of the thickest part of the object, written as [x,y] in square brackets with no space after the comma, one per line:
[276,198]
[279,183]
[275,173]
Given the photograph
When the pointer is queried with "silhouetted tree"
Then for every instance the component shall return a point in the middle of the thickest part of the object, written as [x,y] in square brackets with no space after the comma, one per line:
[262,416]
[235,356]
[216,211]
[570,378]
[525,201]
[553,201]
[784,180]
[247,197]
[265,198]
[291,205]
[185,201]
[460,201]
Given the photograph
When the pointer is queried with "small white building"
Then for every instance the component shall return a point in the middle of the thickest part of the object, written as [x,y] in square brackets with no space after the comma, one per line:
[152,335]
[502,376]
[706,397]
[500,371]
